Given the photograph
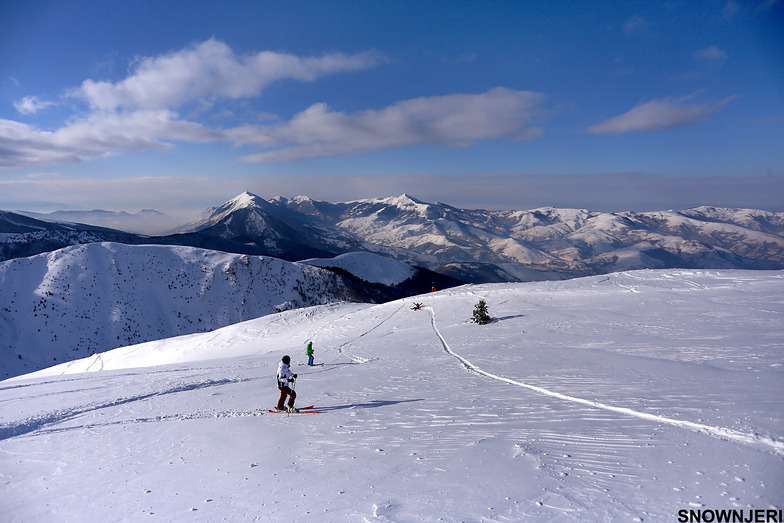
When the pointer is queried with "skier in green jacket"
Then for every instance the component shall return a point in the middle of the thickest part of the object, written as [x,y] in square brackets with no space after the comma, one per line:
[309,352]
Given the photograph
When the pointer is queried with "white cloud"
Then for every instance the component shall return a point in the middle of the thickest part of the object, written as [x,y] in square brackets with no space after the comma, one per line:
[712,53]
[96,136]
[209,71]
[666,113]
[24,146]
[457,120]
[53,175]
[636,25]
[31,105]
[139,112]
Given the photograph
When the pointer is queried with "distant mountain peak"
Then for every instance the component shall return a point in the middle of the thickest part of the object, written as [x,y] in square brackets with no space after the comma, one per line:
[244,200]
[404,203]
[405,200]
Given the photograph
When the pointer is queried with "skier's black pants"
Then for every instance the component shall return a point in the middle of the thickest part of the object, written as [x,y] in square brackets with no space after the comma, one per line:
[285,391]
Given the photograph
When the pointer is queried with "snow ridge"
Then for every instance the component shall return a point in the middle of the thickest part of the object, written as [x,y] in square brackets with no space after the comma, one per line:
[777,447]
[87,299]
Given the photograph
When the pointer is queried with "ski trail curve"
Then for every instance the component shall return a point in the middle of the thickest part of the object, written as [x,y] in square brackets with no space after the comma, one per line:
[756,440]
[357,359]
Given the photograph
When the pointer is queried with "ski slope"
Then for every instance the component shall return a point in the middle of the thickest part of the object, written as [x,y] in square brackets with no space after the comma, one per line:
[624,397]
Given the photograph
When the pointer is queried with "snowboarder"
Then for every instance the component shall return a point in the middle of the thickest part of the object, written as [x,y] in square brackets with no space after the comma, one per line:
[416,306]
[284,377]
[309,352]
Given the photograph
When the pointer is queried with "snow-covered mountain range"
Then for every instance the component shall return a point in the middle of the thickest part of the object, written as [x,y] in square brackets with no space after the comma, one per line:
[470,245]
[481,245]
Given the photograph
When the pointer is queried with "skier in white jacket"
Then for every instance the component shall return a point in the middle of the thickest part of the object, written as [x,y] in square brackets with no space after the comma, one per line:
[284,377]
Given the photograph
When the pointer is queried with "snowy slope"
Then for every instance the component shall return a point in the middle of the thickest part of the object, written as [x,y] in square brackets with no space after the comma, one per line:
[625,397]
[85,299]
[369,267]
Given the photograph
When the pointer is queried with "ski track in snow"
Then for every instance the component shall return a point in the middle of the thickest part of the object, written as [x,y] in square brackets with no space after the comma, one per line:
[44,421]
[768,444]
[358,359]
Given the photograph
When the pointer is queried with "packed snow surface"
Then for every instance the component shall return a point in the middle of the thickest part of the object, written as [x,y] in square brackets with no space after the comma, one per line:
[624,397]
[369,267]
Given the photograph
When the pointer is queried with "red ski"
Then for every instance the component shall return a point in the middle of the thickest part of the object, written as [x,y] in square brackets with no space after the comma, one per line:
[303,410]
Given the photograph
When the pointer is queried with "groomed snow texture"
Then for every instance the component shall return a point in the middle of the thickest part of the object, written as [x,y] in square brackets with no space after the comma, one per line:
[624,397]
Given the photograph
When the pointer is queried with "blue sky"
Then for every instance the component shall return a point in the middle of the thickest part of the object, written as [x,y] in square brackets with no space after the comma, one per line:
[601,105]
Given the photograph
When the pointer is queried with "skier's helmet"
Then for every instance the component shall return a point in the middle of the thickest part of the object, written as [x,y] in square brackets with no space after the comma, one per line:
[286,360]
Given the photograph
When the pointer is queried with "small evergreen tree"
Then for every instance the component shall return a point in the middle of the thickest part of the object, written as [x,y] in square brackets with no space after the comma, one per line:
[481,316]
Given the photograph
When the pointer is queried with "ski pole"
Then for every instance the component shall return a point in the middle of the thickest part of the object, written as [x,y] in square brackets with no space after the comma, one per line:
[291,386]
